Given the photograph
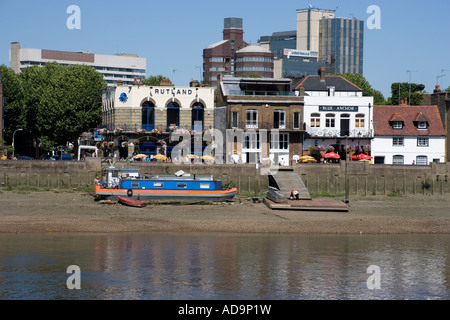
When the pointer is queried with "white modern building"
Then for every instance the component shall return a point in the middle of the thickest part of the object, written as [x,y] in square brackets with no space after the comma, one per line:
[335,114]
[114,68]
[408,135]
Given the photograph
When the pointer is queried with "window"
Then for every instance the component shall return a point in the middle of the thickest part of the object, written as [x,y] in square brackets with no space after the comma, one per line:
[197,117]
[251,141]
[397,125]
[330,121]
[422,125]
[398,141]
[296,120]
[422,160]
[182,185]
[204,185]
[315,120]
[423,142]
[234,119]
[279,119]
[158,185]
[135,184]
[148,116]
[359,121]
[398,159]
[279,141]
[251,119]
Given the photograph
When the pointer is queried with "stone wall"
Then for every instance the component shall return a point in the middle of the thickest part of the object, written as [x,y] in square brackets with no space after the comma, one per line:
[365,179]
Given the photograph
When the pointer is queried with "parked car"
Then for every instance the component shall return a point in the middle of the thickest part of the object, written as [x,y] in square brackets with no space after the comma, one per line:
[64,157]
[25,158]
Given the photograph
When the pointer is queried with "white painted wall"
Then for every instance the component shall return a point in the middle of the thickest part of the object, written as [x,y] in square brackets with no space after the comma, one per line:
[382,146]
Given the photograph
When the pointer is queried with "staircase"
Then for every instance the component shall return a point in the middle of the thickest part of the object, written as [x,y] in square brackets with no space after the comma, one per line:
[285,180]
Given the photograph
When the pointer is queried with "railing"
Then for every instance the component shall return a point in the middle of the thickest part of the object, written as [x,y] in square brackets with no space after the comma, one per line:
[336,133]
[261,93]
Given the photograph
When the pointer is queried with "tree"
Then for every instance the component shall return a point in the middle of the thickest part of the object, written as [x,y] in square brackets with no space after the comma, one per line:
[367,90]
[403,90]
[61,102]
[154,80]
[448,89]
[13,107]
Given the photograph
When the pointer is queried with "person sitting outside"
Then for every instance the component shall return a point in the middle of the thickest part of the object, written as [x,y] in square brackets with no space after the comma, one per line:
[294,195]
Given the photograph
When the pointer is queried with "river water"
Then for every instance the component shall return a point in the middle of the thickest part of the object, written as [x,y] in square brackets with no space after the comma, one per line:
[224,266]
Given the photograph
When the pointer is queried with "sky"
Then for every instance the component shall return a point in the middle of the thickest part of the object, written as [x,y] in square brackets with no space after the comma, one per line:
[411,43]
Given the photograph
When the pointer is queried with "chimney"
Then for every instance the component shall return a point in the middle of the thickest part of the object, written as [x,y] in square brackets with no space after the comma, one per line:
[322,73]
[302,91]
[437,89]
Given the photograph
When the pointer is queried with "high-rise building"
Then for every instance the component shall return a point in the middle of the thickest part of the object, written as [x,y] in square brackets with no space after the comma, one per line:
[321,39]
[114,68]
[338,41]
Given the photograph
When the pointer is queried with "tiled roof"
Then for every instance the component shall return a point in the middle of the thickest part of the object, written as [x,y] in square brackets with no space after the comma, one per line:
[384,115]
[313,83]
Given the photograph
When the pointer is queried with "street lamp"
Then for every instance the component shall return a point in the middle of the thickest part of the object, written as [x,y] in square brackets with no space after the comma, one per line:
[13,141]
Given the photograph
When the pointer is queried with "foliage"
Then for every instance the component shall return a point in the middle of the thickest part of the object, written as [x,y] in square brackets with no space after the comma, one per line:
[448,89]
[361,82]
[54,104]
[154,80]
[416,92]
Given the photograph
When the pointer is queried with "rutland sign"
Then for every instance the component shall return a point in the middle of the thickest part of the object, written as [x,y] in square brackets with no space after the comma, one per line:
[339,108]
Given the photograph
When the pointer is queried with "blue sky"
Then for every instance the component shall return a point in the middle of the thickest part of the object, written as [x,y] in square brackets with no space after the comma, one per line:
[414,35]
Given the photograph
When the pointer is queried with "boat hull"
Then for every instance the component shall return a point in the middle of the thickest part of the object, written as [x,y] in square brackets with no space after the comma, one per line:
[180,195]
[132,202]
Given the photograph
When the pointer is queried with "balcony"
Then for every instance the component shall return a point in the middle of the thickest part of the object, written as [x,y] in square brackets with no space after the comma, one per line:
[337,133]
[261,93]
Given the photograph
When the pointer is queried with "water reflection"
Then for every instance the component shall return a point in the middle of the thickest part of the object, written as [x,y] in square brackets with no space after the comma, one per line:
[224,266]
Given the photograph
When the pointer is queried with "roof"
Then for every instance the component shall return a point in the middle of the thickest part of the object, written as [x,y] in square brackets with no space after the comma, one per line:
[216,44]
[384,115]
[254,48]
[313,83]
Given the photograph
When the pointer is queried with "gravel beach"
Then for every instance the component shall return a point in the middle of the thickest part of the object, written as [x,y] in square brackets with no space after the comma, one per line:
[72,212]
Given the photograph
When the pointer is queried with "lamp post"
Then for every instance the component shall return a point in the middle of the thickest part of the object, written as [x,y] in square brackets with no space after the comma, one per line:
[13,141]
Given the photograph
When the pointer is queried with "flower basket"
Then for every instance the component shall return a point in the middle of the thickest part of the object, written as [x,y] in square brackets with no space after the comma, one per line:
[140,131]
[102,131]
[111,144]
[156,131]
[117,130]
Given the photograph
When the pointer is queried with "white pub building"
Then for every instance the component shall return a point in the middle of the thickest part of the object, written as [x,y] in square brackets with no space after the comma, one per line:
[336,115]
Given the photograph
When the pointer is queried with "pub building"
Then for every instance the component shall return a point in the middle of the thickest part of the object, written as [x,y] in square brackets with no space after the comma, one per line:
[140,119]
[337,116]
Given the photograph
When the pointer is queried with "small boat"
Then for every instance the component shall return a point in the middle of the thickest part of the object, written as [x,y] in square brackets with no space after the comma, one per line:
[126,182]
[132,202]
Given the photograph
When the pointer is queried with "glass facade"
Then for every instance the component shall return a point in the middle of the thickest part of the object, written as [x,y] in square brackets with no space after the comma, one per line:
[342,43]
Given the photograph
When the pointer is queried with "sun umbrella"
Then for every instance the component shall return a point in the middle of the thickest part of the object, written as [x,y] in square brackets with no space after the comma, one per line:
[191,156]
[140,156]
[160,157]
[208,158]
[361,156]
[332,155]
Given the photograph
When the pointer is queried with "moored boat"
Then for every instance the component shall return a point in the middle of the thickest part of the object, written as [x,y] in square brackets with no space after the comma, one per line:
[132,202]
[126,182]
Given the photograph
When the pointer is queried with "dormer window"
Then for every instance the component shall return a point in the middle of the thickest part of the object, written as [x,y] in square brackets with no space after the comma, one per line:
[397,125]
[422,125]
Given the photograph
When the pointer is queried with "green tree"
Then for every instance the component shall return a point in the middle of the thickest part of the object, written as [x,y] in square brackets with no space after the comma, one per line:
[402,91]
[154,80]
[61,102]
[14,107]
[367,90]
[448,89]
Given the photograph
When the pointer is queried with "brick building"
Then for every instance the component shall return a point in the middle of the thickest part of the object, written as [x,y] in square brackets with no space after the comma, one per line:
[233,56]
[261,118]
[441,99]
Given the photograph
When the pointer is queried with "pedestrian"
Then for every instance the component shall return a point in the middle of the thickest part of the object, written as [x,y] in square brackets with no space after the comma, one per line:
[294,195]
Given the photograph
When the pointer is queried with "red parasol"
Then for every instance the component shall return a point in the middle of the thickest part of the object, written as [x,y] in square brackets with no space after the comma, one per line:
[361,156]
[332,155]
